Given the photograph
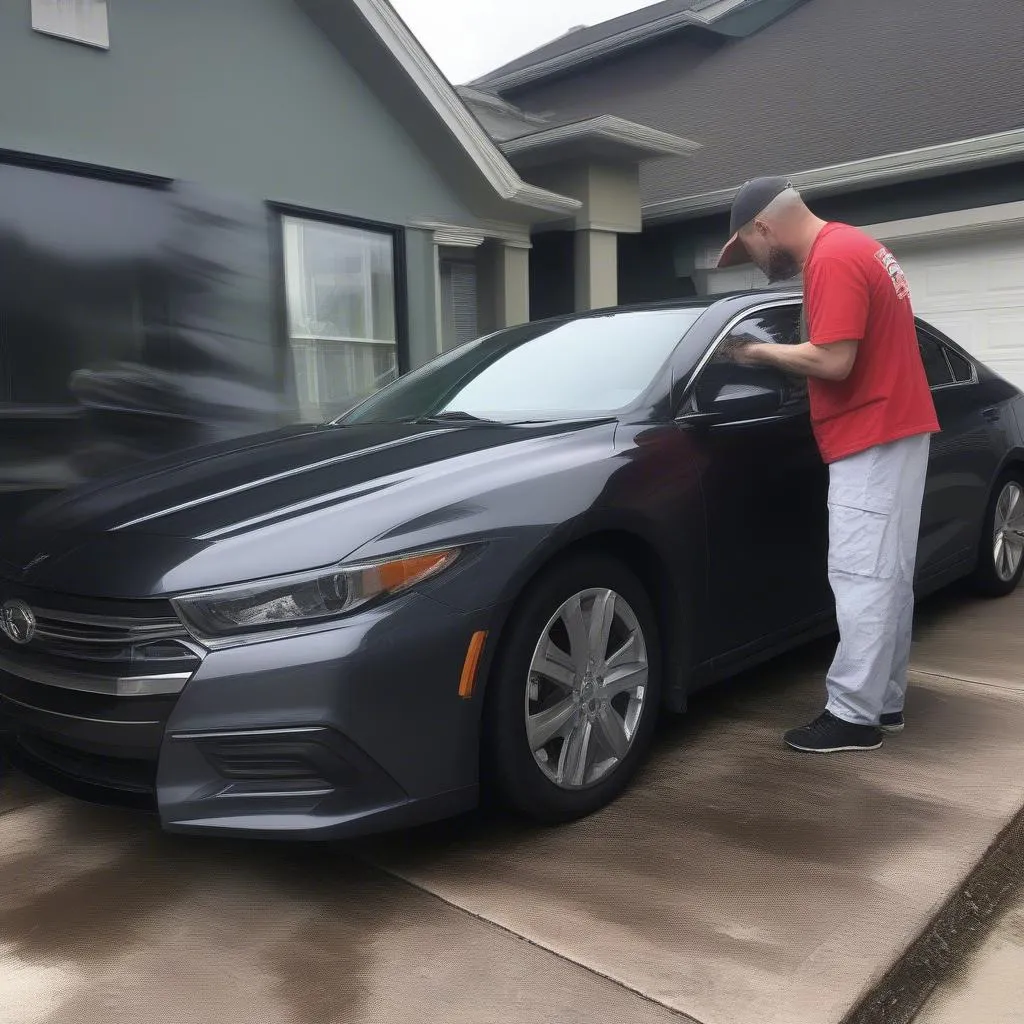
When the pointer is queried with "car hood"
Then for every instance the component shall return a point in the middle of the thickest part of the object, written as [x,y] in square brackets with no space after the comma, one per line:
[270,504]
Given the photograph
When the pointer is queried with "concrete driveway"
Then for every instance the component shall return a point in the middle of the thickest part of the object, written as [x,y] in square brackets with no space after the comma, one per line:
[735,883]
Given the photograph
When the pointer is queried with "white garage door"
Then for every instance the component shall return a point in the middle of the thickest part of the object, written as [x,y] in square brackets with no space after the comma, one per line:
[972,288]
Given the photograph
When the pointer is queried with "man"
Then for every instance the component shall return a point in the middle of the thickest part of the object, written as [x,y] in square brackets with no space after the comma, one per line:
[873,417]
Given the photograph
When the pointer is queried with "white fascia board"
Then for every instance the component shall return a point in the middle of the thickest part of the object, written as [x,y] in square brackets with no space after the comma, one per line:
[441,95]
[951,224]
[447,233]
[652,141]
[498,105]
[709,13]
[979,219]
[927,161]
[704,18]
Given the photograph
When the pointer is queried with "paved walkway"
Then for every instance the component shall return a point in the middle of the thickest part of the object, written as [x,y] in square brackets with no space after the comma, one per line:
[734,884]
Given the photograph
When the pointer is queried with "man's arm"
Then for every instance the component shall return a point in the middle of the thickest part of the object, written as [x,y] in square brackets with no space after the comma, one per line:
[825,362]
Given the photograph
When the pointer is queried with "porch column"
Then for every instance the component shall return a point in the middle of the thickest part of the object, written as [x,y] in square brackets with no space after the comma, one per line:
[597,269]
[514,283]
[504,284]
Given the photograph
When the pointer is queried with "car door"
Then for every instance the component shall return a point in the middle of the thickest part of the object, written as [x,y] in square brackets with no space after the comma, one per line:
[765,491]
[964,457]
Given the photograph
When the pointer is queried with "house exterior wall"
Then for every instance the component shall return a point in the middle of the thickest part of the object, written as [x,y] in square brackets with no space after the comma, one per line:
[661,261]
[252,103]
[245,95]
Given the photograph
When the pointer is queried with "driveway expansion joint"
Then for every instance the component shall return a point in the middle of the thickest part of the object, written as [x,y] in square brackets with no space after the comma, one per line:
[953,935]
[684,1018]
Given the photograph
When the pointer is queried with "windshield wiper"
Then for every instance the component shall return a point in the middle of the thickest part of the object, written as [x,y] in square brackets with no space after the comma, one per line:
[454,416]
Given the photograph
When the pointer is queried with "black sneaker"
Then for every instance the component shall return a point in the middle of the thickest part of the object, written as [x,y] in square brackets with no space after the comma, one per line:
[830,735]
[892,723]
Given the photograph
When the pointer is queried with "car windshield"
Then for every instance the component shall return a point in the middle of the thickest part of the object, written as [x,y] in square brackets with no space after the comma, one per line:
[566,369]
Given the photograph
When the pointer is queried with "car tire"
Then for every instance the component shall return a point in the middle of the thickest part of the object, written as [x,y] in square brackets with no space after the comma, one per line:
[989,578]
[514,772]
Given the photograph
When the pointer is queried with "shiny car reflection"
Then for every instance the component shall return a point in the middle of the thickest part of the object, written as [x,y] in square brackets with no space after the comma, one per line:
[496,572]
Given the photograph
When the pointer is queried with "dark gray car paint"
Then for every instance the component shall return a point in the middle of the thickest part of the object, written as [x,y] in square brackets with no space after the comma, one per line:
[642,485]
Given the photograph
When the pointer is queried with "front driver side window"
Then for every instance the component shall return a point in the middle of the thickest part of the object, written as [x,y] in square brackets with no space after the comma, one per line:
[779,325]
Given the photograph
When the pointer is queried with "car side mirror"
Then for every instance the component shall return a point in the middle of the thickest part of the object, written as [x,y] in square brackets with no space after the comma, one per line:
[728,393]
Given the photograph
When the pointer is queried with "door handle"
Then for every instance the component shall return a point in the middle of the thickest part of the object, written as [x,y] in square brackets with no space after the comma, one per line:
[991,414]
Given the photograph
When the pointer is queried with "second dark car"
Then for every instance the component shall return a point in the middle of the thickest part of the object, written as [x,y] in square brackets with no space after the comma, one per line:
[499,568]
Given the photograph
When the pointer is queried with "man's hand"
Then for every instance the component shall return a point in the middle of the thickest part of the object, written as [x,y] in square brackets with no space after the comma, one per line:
[740,349]
[832,362]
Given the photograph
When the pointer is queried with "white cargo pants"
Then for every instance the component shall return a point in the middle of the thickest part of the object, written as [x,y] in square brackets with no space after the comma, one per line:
[874,512]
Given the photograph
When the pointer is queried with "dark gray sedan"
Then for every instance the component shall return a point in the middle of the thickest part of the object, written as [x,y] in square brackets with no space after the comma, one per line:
[500,569]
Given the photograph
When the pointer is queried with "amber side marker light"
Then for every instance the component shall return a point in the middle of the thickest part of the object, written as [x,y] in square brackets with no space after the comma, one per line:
[467,684]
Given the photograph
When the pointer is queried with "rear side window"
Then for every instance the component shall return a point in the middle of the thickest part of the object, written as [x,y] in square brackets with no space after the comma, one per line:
[935,365]
[961,367]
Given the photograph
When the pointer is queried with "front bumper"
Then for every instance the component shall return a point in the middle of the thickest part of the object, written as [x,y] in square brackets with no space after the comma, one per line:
[325,735]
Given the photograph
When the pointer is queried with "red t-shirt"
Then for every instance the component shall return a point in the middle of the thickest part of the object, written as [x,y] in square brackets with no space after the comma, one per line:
[854,290]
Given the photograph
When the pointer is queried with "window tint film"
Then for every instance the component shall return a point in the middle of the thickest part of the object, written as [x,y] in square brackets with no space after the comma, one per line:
[781,325]
[935,365]
[962,369]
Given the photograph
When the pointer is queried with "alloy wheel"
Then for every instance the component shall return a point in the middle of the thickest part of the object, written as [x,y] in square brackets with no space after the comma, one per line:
[1008,531]
[586,689]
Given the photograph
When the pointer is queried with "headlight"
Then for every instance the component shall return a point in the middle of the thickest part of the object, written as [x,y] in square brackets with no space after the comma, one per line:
[304,600]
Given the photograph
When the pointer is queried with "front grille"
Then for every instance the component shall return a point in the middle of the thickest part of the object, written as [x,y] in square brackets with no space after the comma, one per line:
[117,654]
[85,701]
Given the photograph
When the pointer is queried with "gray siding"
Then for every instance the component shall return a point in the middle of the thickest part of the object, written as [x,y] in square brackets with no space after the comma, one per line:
[243,94]
[246,96]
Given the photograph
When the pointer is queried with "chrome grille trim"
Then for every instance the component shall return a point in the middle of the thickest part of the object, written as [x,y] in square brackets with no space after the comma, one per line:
[104,655]
[86,682]
[93,627]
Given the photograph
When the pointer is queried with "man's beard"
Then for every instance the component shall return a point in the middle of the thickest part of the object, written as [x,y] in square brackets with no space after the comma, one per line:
[779,266]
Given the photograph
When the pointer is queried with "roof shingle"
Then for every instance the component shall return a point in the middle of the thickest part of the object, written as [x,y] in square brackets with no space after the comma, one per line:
[831,82]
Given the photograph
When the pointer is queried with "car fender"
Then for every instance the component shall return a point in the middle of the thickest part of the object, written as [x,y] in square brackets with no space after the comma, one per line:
[678,585]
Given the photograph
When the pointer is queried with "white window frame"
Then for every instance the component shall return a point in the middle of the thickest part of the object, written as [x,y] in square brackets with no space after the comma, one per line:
[296,282]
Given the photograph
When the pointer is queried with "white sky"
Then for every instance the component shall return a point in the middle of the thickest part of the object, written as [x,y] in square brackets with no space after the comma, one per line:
[470,37]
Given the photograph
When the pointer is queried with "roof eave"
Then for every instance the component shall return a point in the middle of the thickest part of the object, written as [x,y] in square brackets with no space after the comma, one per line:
[614,136]
[453,112]
[584,55]
[704,16]
[492,101]
[891,168]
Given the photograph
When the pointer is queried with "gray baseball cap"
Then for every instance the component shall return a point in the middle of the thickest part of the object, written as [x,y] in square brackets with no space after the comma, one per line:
[752,197]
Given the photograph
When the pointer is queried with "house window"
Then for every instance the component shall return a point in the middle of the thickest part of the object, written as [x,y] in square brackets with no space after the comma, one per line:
[458,301]
[340,284]
[83,21]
